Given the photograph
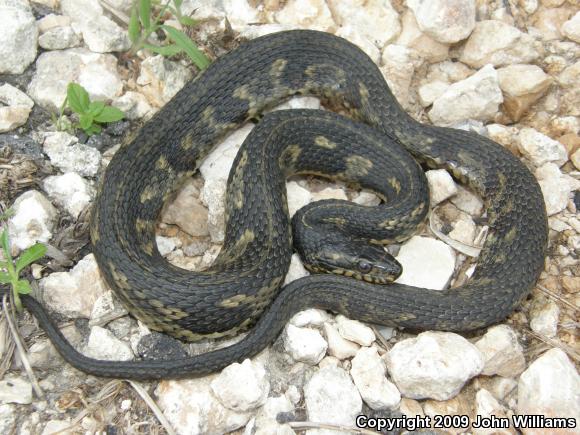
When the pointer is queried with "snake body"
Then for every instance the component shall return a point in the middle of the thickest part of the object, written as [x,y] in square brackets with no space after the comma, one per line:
[242,287]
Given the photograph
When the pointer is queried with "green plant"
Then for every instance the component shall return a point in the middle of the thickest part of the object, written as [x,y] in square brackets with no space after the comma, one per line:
[91,113]
[144,22]
[11,273]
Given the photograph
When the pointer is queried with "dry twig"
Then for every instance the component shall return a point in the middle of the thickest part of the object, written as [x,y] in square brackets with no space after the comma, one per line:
[154,407]
[22,353]
[301,425]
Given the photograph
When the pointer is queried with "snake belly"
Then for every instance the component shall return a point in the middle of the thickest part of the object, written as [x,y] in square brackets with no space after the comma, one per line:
[240,288]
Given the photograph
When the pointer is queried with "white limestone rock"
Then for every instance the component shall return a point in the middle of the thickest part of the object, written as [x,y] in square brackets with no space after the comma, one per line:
[18,36]
[52,21]
[266,423]
[426,263]
[477,97]
[331,397]
[310,317]
[100,33]
[488,407]
[8,416]
[215,170]
[338,346]
[498,43]
[192,408]
[187,212]
[303,102]
[304,344]
[306,14]
[502,352]
[433,365]
[97,73]
[519,80]
[68,155]
[160,79]
[74,293]
[411,36]
[242,387]
[446,21]
[107,305]
[15,390]
[166,245]
[70,191]
[429,92]
[575,159]
[15,106]
[441,186]
[33,220]
[253,32]
[522,86]
[353,35]
[329,193]
[134,105]
[104,345]
[541,149]
[376,20]
[240,13]
[354,330]
[296,270]
[550,387]
[544,318]
[399,64]
[367,198]
[556,187]
[368,372]
[467,202]
[59,38]
[464,229]
[571,28]
[506,136]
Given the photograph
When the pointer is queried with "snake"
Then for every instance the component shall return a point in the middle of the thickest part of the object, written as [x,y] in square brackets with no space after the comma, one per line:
[377,147]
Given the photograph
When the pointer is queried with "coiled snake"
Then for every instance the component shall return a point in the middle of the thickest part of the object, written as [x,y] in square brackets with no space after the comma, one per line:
[243,285]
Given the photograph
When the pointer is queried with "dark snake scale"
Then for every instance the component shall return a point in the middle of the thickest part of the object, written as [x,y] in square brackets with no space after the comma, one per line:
[244,287]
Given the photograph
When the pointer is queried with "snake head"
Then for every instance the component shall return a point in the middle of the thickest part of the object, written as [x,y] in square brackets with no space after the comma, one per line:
[359,260]
[352,258]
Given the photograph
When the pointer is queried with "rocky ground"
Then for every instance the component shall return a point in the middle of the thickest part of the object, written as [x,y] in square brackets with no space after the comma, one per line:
[507,69]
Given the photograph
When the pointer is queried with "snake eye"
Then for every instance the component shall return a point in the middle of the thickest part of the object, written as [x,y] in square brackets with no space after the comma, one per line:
[364,266]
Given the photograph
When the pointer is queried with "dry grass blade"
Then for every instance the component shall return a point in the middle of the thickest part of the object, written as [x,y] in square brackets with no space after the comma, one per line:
[115,12]
[558,298]
[555,343]
[154,407]
[302,425]
[381,339]
[21,348]
[6,346]
[470,251]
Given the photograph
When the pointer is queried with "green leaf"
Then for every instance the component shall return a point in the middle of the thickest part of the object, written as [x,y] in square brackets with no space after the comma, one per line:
[134,26]
[188,21]
[5,245]
[166,50]
[183,41]
[177,4]
[96,107]
[86,120]
[30,255]
[109,114]
[145,13]
[93,129]
[5,278]
[7,214]
[78,98]
[23,287]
